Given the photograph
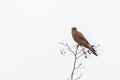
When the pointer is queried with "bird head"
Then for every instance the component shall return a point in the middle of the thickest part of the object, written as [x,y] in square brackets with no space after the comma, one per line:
[74,29]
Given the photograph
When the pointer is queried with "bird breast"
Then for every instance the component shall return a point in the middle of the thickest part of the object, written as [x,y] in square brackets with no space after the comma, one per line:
[76,37]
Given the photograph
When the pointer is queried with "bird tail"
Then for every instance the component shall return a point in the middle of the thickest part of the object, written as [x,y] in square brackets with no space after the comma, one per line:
[92,49]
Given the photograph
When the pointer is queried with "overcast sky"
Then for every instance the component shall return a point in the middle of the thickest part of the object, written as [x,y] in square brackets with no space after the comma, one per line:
[30,31]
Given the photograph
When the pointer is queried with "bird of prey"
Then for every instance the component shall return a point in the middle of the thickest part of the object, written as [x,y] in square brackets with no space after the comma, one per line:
[81,40]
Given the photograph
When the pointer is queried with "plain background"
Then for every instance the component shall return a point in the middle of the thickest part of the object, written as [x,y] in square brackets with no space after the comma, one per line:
[31,30]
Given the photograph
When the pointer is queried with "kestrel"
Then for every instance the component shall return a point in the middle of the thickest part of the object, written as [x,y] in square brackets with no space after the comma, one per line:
[81,40]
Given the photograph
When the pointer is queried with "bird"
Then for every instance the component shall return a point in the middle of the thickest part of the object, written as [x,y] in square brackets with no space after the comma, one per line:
[79,38]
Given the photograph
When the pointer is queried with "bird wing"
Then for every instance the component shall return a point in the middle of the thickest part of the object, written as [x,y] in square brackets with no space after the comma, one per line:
[81,36]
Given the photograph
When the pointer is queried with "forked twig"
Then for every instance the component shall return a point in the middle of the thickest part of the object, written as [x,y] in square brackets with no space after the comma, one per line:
[77,54]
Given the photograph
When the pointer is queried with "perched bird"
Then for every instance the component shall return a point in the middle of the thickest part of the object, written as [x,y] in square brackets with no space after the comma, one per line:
[81,40]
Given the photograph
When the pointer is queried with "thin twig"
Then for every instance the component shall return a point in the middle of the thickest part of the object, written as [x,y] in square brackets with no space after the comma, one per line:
[62,51]
[79,52]
[79,56]
[68,47]
[78,66]
[70,50]
[79,77]
[72,74]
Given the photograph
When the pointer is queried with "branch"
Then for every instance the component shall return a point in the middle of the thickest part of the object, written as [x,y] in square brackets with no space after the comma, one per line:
[78,66]
[79,77]
[68,47]
[74,64]
[62,51]
[80,51]
[75,53]
[79,56]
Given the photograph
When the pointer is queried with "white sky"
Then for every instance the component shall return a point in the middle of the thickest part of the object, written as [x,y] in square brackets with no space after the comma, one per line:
[30,31]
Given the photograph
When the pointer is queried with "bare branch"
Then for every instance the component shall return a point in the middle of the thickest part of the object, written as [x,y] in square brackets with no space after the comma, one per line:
[79,77]
[62,51]
[78,66]
[89,51]
[77,54]
[74,64]
[80,52]
[68,48]
[63,43]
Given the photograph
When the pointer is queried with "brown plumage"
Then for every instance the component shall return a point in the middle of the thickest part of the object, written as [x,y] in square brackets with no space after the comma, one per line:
[81,40]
